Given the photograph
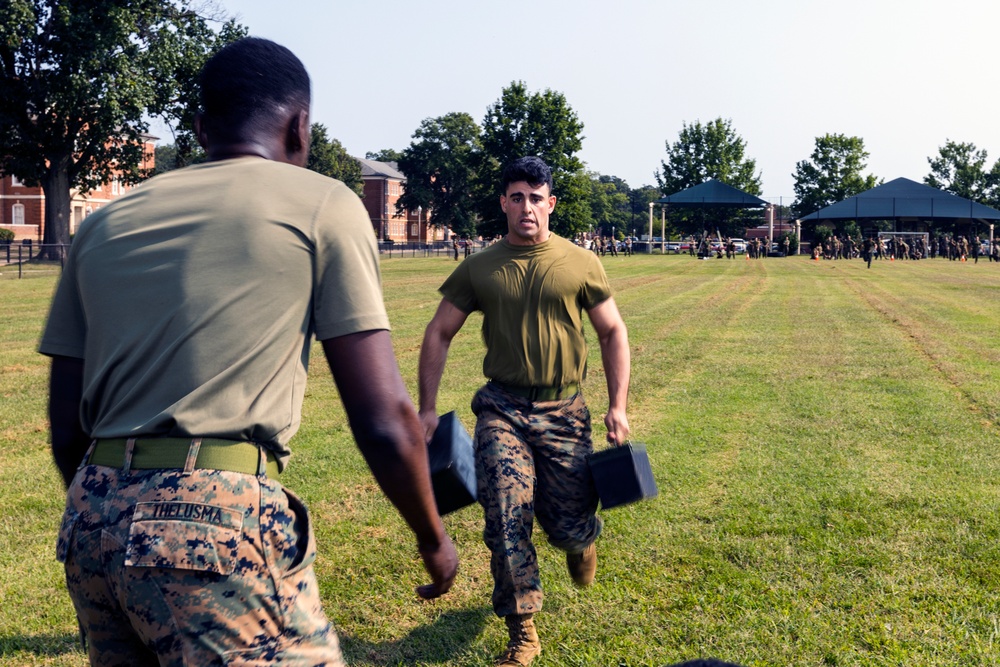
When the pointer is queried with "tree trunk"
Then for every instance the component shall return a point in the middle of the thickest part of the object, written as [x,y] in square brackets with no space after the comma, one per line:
[55,186]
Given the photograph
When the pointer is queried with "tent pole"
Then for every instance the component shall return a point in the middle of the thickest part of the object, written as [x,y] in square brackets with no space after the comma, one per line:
[663,229]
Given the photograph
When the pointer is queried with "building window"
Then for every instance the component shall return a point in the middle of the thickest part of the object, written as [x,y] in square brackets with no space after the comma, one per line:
[17,214]
[115,188]
[413,230]
[16,182]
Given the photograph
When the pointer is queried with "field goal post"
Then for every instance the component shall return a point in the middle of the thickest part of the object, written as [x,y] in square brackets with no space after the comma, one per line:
[908,237]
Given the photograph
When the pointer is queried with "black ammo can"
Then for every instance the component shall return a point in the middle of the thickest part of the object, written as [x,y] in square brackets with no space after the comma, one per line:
[622,475]
[453,468]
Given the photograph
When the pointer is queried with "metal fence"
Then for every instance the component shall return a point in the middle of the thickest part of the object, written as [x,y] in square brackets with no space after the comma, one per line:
[28,259]
[390,249]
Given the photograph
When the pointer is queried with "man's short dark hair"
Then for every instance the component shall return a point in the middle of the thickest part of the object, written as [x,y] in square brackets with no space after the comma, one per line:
[246,83]
[530,169]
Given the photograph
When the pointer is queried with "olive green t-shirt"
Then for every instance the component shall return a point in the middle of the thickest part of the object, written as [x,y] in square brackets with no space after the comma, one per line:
[532,299]
[194,299]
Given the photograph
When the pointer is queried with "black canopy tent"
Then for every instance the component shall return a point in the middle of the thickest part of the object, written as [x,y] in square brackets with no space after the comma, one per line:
[905,199]
[711,193]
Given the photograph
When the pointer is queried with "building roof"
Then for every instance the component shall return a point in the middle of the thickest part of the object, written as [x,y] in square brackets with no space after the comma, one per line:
[376,169]
[903,198]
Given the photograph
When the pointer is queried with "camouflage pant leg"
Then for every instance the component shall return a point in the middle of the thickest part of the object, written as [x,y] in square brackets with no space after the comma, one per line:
[199,568]
[531,457]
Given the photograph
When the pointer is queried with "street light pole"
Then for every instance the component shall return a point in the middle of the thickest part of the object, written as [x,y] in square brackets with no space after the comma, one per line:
[649,248]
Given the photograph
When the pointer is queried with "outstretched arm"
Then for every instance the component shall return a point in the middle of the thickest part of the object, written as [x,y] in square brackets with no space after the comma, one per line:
[617,358]
[388,433]
[433,353]
[69,442]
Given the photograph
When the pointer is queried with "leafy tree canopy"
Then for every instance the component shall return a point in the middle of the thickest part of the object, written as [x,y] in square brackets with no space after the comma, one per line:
[521,123]
[960,168]
[328,156]
[78,79]
[610,205]
[831,174]
[702,153]
[384,155]
[640,199]
[169,157]
[439,169]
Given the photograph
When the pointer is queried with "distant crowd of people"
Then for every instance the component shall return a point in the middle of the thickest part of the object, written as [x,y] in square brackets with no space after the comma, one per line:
[951,247]
[605,245]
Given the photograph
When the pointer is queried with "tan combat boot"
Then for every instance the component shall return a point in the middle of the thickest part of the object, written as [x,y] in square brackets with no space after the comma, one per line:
[523,646]
[583,566]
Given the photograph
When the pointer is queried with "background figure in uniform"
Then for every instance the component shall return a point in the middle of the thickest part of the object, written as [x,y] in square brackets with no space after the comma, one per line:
[180,336]
[533,432]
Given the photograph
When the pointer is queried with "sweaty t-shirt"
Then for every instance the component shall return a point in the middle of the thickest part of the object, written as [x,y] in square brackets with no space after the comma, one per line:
[194,299]
[532,299]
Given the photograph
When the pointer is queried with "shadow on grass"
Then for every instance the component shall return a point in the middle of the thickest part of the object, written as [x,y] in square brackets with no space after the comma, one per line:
[443,640]
[40,645]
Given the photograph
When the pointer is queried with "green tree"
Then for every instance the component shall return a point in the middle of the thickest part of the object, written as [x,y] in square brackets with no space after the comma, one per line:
[169,157]
[384,155]
[960,168]
[702,153]
[328,156]
[79,79]
[832,174]
[438,165]
[610,205]
[640,199]
[542,124]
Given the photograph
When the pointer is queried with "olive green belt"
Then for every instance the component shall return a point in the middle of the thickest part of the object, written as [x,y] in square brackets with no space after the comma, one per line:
[164,453]
[541,393]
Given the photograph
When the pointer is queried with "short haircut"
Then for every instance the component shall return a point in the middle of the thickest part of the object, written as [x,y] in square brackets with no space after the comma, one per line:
[246,84]
[530,169]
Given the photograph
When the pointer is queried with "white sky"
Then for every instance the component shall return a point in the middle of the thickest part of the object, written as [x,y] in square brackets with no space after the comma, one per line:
[905,75]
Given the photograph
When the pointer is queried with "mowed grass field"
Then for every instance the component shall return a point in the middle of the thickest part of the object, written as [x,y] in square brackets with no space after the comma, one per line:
[825,439]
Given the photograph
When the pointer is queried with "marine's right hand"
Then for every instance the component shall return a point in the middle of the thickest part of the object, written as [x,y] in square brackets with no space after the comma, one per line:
[441,562]
[429,422]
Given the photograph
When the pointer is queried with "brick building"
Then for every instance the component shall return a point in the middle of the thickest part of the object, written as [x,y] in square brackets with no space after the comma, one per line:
[22,208]
[383,186]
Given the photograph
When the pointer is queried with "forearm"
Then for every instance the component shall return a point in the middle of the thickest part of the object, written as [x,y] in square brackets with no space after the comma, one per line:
[433,356]
[69,442]
[396,455]
[385,426]
[617,360]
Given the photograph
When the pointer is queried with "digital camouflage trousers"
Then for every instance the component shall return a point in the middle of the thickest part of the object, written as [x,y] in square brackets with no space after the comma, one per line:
[204,567]
[531,461]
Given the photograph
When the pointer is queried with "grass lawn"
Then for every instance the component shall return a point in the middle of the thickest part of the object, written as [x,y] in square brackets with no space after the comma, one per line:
[824,437]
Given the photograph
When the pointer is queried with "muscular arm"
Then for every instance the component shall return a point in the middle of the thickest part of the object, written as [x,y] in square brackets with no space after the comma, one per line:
[388,433]
[617,358]
[69,442]
[433,353]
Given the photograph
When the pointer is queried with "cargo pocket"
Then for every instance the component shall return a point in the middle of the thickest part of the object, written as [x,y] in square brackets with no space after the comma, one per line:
[66,529]
[184,536]
[302,534]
